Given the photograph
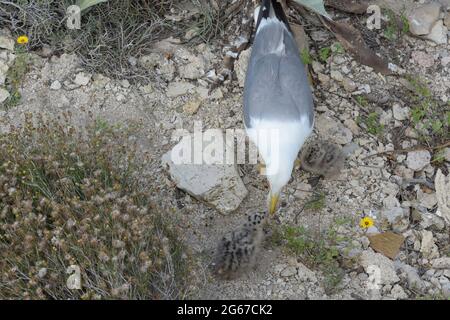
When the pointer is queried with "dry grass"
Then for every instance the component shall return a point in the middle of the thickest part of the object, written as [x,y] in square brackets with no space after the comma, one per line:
[70,199]
[111,32]
[114,33]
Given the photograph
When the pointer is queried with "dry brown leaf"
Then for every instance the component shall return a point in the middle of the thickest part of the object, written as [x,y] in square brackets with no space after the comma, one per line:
[387,243]
[353,41]
[350,6]
[302,42]
[300,37]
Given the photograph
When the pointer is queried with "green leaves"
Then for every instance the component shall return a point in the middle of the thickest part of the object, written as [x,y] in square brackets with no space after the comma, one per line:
[84,4]
[315,5]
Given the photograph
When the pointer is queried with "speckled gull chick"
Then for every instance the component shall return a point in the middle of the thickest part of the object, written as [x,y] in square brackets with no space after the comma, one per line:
[278,103]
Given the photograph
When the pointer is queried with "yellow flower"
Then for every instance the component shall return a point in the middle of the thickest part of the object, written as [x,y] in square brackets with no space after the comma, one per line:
[366,222]
[22,40]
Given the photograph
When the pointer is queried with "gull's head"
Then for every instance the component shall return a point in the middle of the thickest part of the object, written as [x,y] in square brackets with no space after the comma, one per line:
[278,176]
[278,143]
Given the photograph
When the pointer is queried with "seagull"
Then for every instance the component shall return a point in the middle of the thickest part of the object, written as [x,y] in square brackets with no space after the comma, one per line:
[278,103]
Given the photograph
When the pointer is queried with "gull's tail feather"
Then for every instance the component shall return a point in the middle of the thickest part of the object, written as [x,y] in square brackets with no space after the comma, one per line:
[271,9]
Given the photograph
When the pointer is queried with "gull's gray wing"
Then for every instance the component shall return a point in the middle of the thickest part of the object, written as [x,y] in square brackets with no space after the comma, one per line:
[276,85]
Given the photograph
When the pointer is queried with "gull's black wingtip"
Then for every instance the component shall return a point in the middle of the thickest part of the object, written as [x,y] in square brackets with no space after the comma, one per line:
[264,12]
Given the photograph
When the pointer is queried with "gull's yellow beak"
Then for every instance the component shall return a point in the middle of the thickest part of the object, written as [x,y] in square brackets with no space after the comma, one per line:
[273,200]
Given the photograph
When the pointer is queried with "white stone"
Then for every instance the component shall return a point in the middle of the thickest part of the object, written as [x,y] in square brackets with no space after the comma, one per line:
[42,272]
[289,271]
[192,106]
[332,130]
[441,263]
[417,160]
[396,217]
[240,67]
[400,113]
[422,18]
[178,88]
[125,83]
[427,200]
[56,85]
[349,85]
[4,94]
[193,70]
[442,185]
[438,33]
[377,264]
[446,154]
[3,71]
[391,202]
[217,184]
[305,274]
[6,42]
[445,61]
[165,67]
[422,58]
[120,97]
[412,275]
[397,292]
[317,67]
[303,190]
[324,79]
[428,247]
[336,75]
[82,79]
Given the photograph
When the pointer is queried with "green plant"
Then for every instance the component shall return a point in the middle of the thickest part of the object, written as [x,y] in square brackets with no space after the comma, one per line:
[316,202]
[372,123]
[324,53]
[439,157]
[362,101]
[338,48]
[78,198]
[15,76]
[306,56]
[396,25]
[317,251]
[84,4]
[405,23]
[390,32]
[426,112]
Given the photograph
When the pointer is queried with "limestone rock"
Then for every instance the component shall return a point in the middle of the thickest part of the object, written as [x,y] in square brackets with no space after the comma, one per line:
[333,130]
[240,66]
[422,19]
[417,160]
[428,247]
[217,184]
[4,94]
[400,113]
[379,265]
[178,88]
[6,41]
[442,185]
[441,263]
[438,33]
[82,79]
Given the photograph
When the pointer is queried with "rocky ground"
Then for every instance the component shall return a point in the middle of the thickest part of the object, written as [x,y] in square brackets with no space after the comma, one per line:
[390,171]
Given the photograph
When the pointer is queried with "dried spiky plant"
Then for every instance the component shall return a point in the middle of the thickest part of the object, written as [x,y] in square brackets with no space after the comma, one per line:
[68,198]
